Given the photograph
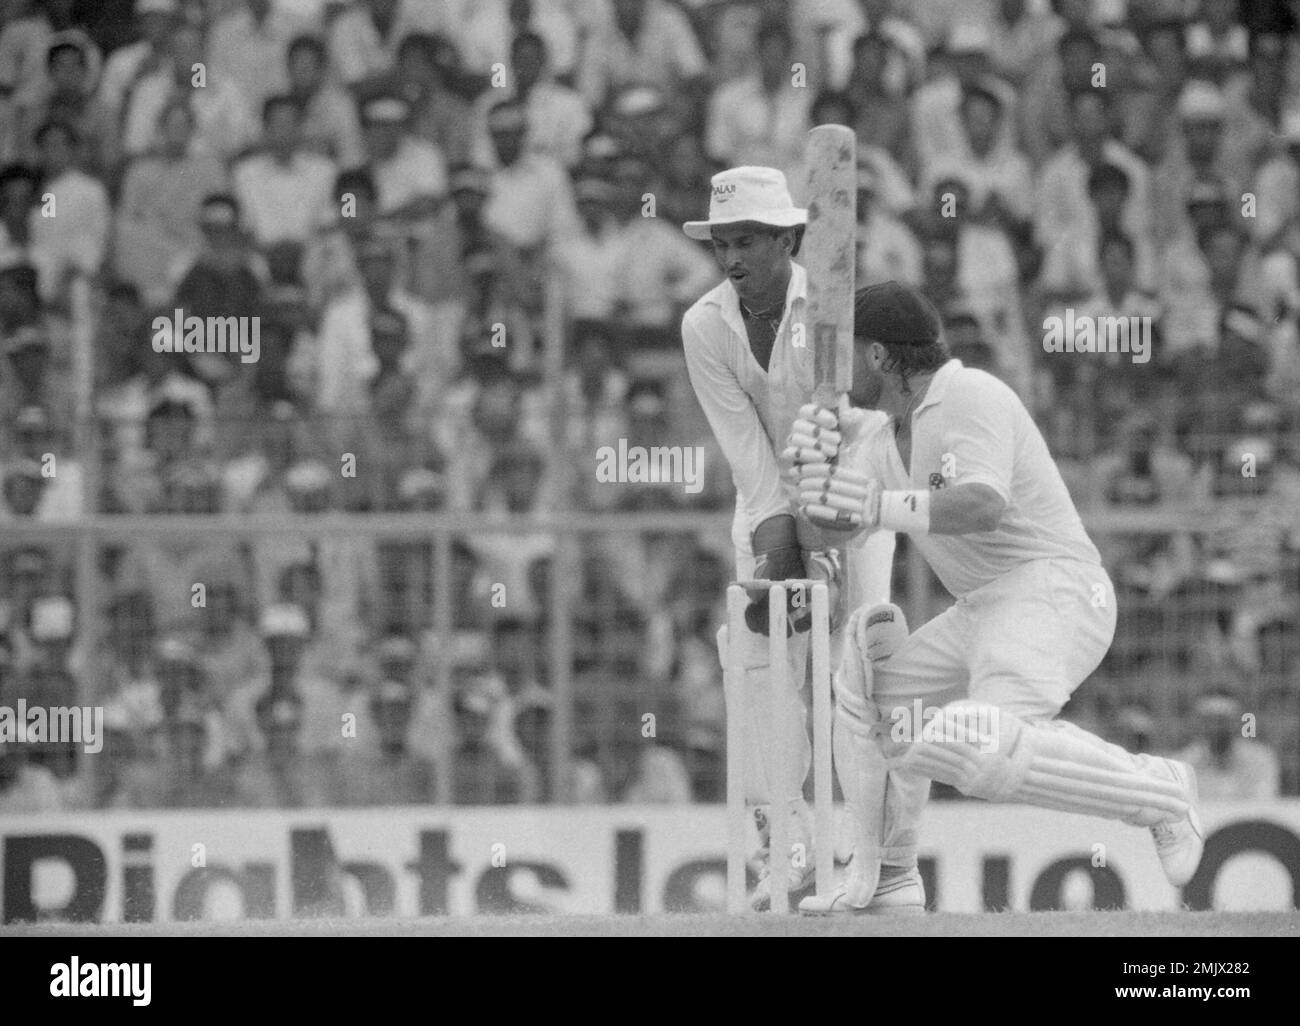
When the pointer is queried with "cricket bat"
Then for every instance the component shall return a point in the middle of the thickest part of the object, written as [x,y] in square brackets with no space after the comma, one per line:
[830,256]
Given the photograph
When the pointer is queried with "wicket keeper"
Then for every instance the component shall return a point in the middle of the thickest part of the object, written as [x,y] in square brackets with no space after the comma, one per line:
[752,370]
[950,456]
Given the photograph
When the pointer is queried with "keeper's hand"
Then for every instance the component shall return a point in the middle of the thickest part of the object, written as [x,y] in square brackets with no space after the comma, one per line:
[836,498]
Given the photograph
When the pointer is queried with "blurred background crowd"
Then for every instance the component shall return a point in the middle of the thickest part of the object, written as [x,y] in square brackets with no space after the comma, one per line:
[457,223]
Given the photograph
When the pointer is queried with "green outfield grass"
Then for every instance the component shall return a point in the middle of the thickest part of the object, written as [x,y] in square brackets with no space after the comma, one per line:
[1007,924]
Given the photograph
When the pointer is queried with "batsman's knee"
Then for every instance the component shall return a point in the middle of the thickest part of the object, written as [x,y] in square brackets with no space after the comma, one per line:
[968,745]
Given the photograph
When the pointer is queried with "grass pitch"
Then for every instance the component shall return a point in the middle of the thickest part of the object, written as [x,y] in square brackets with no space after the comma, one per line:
[992,924]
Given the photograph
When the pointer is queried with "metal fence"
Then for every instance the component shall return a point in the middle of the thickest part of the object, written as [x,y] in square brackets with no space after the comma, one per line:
[618,613]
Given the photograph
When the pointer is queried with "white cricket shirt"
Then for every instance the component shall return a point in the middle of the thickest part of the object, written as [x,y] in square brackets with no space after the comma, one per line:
[971,427]
[751,410]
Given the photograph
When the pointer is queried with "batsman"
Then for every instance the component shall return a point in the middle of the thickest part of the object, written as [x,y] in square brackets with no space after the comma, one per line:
[950,456]
[772,337]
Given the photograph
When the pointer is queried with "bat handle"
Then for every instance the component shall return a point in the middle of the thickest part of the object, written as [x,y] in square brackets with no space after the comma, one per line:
[826,396]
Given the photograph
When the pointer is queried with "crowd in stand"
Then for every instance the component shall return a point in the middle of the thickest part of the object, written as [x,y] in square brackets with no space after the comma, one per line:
[401,193]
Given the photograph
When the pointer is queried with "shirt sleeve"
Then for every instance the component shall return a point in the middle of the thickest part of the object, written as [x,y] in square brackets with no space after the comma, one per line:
[980,435]
[735,424]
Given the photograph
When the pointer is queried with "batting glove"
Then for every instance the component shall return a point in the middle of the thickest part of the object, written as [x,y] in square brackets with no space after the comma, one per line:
[836,498]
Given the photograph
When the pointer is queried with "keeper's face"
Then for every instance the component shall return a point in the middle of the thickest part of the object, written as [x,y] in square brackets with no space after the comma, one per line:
[756,259]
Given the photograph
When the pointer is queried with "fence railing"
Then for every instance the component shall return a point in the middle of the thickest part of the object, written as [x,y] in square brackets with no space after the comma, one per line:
[603,591]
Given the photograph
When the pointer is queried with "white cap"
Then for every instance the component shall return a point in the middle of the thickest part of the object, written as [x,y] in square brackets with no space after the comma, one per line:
[156,6]
[284,619]
[1201,101]
[52,618]
[757,194]
[968,37]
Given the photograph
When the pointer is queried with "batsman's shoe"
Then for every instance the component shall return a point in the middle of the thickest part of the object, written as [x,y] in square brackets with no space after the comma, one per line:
[900,892]
[1180,843]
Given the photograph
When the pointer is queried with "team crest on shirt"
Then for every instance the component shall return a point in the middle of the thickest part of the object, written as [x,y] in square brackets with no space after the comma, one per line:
[937,481]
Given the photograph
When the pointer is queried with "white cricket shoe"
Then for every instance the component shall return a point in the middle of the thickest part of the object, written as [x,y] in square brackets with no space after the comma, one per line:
[1180,843]
[900,892]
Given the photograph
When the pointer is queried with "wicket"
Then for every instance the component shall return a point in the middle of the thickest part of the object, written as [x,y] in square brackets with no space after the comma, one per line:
[778,759]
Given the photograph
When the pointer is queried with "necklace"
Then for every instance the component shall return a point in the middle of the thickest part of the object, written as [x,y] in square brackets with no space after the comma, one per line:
[767,315]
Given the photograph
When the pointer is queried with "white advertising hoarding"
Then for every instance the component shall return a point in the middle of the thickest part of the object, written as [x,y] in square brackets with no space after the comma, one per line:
[163,866]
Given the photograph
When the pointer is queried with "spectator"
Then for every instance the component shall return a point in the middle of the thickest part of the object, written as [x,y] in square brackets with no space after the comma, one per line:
[25,44]
[887,249]
[647,42]
[225,119]
[157,222]
[283,774]
[390,773]
[330,122]
[284,192]
[410,173]
[1024,38]
[1198,155]
[73,242]
[485,769]
[319,706]
[936,106]
[224,277]
[226,641]
[364,37]
[49,479]
[982,271]
[493,24]
[26,786]
[762,118]
[439,116]
[883,110]
[34,371]
[19,189]
[250,44]
[67,95]
[129,64]
[558,117]
[1068,213]
[1229,765]
[995,172]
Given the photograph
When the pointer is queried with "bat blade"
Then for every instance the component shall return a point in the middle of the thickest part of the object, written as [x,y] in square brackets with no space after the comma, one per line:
[830,257]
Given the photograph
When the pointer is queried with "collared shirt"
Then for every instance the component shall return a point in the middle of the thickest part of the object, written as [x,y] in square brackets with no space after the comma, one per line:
[285,201]
[663,53]
[330,123]
[971,428]
[487,33]
[751,410]
[417,169]
[78,236]
[224,119]
[748,125]
[358,51]
[531,202]
[558,121]
[255,56]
